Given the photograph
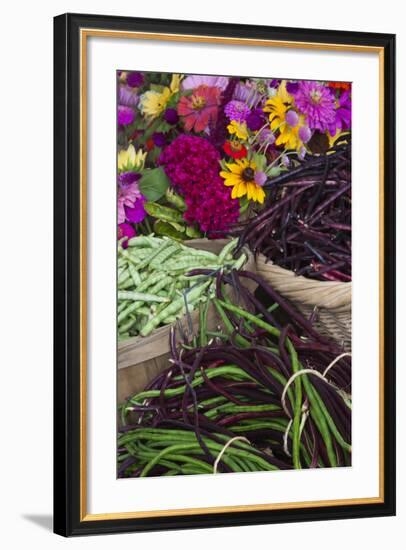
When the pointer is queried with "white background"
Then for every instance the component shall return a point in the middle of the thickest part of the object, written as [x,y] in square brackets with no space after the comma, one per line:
[26,274]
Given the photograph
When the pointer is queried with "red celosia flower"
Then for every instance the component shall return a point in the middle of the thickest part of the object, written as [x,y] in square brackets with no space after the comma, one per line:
[200,108]
[235,149]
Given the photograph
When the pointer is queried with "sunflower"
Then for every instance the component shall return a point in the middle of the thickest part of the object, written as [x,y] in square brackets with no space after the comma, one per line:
[243,176]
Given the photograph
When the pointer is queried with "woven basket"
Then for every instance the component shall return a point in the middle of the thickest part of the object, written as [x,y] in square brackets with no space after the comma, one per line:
[333,300]
[140,359]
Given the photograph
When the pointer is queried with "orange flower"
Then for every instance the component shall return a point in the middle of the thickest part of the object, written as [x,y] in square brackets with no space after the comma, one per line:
[199,109]
[340,85]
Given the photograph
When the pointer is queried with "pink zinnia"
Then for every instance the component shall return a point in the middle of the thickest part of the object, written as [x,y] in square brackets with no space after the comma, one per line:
[199,109]
[195,80]
[316,102]
[128,195]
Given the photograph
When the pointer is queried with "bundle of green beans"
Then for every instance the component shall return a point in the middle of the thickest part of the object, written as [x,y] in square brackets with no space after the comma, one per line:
[153,289]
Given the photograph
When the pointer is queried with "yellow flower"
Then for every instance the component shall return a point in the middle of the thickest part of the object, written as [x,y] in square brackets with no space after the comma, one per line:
[175,83]
[240,130]
[131,159]
[153,102]
[278,106]
[241,177]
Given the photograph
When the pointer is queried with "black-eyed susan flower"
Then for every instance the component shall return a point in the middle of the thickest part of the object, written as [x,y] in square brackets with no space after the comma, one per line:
[245,179]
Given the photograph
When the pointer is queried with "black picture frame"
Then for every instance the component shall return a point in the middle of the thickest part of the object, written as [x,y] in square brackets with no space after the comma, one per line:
[67,351]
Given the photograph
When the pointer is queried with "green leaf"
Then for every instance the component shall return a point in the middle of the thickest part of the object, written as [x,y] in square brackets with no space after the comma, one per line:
[192,232]
[260,161]
[274,171]
[154,184]
[167,230]
[163,212]
[244,204]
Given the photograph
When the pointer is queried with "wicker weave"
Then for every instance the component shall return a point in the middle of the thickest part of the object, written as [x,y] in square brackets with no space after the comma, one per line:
[333,300]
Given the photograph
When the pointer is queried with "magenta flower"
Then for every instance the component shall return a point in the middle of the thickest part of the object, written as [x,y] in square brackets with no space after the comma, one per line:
[188,160]
[125,230]
[316,102]
[125,115]
[192,165]
[137,213]
[342,118]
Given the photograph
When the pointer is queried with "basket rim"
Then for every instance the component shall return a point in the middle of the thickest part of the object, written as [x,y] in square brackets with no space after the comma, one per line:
[335,296]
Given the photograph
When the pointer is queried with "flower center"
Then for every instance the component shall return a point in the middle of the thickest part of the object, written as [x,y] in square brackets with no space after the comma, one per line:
[236,145]
[315,97]
[198,102]
[248,174]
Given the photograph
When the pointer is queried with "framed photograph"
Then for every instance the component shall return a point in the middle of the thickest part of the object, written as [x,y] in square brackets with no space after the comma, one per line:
[224,274]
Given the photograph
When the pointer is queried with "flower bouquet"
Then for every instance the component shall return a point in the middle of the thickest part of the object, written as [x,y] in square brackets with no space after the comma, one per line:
[197,155]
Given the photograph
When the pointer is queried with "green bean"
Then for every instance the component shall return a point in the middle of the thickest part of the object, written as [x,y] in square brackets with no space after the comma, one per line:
[163,255]
[164,282]
[145,241]
[174,307]
[140,296]
[134,275]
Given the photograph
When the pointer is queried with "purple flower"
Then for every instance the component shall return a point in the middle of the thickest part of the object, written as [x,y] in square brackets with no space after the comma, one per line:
[342,119]
[171,116]
[266,136]
[255,120]
[135,79]
[237,110]
[292,118]
[316,102]
[127,96]
[292,87]
[260,178]
[159,139]
[305,134]
[125,178]
[286,160]
[246,92]
[125,115]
